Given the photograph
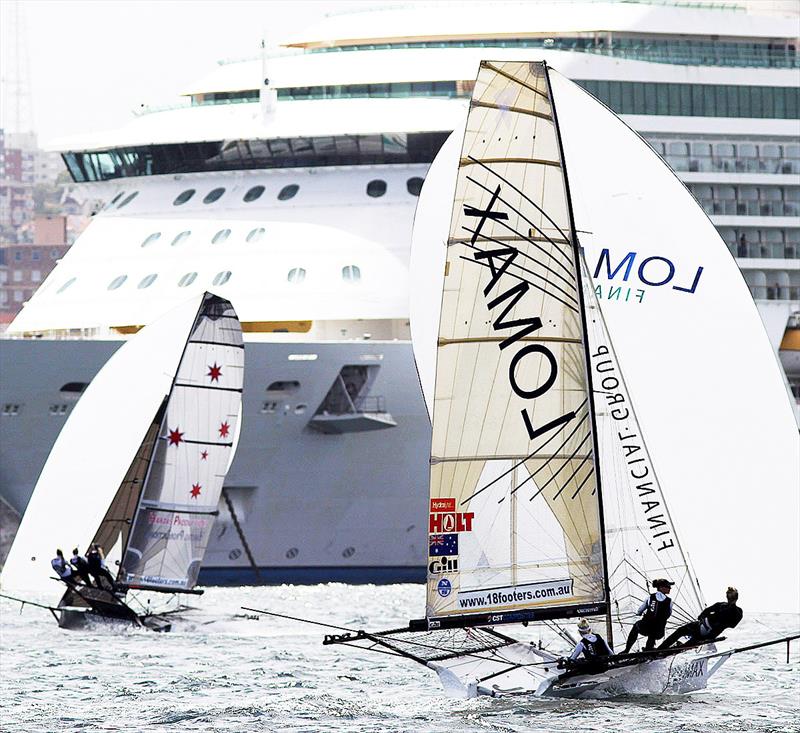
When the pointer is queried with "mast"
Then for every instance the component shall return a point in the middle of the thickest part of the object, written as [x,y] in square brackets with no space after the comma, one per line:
[588,366]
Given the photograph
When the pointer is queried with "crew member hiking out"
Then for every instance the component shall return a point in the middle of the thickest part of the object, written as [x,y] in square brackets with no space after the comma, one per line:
[711,622]
[81,567]
[62,568]
[98,569]
[592,647]
[657,608]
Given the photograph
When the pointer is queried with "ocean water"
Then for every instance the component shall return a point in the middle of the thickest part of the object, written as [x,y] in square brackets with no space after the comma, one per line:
[219,671]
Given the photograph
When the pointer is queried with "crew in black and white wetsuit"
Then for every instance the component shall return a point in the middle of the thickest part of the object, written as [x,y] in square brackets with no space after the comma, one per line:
[655,611]
[62,568]
[98,569]
[592,646]
[81,567]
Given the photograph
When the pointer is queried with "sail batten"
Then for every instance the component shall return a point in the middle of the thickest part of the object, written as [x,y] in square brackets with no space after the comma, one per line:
[512,444]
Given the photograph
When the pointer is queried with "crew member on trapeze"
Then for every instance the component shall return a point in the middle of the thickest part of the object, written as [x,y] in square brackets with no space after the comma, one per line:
[711,622]
[81,567]
[593,647]
[657,608]
[97,567]
[62,568]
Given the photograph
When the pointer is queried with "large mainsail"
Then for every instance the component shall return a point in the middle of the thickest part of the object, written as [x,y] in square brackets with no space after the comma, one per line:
[181,491]
[515,517]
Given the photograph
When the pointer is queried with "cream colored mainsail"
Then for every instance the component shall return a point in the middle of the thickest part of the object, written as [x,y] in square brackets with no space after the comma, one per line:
[515,520]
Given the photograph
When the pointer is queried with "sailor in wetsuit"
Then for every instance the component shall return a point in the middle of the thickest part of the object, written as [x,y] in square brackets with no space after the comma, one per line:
[711,622]
[657,608]
[62,568]
[97,567]
[592,646]
[81,567]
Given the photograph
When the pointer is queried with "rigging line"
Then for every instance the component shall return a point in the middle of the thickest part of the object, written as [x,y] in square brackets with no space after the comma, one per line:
[561,468]
[545,236]
[527,198]
[531,455]
[217,343]
[566,440]
[522,279]
[198,442]
[525,254]
[577,491]
[572,476]
[532,272]
[209,386]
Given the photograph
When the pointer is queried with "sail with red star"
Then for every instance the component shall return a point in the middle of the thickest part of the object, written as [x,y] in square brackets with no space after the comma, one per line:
[181,494]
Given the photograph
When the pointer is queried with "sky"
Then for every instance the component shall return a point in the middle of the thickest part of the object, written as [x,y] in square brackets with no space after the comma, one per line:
[92,63]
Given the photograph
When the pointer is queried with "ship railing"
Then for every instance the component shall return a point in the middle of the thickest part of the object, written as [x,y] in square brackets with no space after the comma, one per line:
[776,292]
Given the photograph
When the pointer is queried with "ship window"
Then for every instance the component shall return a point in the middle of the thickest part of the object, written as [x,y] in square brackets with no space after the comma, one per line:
[351,273]
[187,279]
[678,149]
[288,192]
[147,281]
[154,237]
[376,188]
[269,407]
[221,236]
[10,409]
[73,388]
[58,409]
[127,199]
[286,386]
[255,234]
[66,285]
[222,277]
[253,194]
[213,195]
[723,150]
[115,199]
[296,275]
[117,282]
[300,409]
[414,185]
[701,150]
[181,237]
[183,197]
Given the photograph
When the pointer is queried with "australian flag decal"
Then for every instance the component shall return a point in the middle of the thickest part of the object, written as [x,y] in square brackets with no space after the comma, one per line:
[443,544]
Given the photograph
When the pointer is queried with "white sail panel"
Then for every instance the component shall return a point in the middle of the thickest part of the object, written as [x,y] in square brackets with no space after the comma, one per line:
[182,489]
[709,394]
[514,516]
[94,452]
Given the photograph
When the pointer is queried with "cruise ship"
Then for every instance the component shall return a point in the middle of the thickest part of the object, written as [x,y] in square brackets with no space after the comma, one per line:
[288,182]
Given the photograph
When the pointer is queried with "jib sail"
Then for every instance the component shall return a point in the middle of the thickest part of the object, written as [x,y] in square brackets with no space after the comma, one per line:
[181,491]
[515,522]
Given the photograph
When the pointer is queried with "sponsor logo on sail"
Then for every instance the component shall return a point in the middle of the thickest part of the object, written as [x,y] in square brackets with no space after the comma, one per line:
[556,590]
[443,544]
[451,522]
[444,588]
[441,565]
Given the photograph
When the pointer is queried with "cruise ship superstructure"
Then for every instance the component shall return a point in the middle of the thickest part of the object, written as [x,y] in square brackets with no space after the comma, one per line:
[288,184]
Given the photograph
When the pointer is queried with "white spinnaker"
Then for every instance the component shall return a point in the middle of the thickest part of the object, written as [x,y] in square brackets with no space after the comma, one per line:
[514,515]
[709,395]
[94,451]
[181,493]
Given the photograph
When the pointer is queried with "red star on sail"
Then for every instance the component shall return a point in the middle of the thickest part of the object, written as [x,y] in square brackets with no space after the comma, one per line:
[223,430]
[195,492]
[215,372]
[204,455]
[175,437]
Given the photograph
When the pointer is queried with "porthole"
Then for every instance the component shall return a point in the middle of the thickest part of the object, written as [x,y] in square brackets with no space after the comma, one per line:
[66,285]
[348,552]
[351,273]
[127,199]
[181,237]
[414,185]
[253,194]
[255,234]
[117,282]
[300,409]
[222,277]
[288,192]
[221,236]
[376,188]
[296,275]
[213,195]
[154,237]
[147,281]
[183,197]
[187,279]
[292,552]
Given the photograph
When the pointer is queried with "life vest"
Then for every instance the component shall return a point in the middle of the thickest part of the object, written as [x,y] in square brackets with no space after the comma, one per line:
[80,563]
[592,649]
[655,616]
[94,561]
[61,567]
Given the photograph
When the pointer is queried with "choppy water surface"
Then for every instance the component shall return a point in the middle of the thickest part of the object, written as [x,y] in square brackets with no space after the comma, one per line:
[218,672]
